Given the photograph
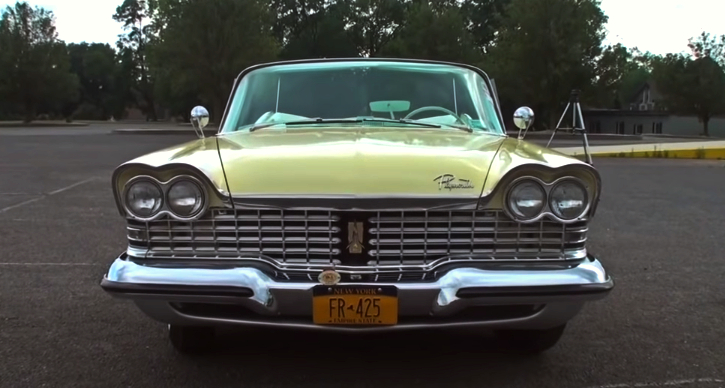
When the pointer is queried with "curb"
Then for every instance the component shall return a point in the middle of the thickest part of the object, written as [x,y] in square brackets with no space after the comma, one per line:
[38,124]
[692,153]
[150,131]
[546,135]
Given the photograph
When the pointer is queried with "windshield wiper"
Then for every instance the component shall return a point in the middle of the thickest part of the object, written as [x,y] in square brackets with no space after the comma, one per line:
[416,122]
[358,120]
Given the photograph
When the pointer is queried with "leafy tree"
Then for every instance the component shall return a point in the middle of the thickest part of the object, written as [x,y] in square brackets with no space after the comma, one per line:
[293,16]
[434,31]
[484,17]
[313,29]
[95,66]
[615,73]
[691,87]
[374,23]
[206,43]
[544,49]
[134,44]
[706,45]
[33,62]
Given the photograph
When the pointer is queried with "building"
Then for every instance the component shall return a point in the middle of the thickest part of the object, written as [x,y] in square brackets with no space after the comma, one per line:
[642,115]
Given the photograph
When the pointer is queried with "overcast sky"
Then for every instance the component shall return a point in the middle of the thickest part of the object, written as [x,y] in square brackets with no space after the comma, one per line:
[659,26]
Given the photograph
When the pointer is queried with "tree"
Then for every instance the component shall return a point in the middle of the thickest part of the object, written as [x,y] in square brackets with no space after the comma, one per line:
[616,69]
[709,46]
[434,31]
[134,44]
[691,87]
[484,17]
[544,49]
[206,43]
[313,29]
[374,23]
[95,65]
[33,62]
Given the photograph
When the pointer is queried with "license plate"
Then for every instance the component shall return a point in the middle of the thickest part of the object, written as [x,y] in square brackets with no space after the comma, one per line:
[354,305]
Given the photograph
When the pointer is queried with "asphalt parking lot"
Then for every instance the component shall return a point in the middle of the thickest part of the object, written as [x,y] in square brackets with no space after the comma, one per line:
[659,230]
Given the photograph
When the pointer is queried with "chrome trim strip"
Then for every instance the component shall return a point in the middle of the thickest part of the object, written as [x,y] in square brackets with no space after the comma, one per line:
[344,202]
[373,266]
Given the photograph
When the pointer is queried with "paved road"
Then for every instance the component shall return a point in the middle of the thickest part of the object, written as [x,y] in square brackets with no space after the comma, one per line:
[561,140]
[659,229]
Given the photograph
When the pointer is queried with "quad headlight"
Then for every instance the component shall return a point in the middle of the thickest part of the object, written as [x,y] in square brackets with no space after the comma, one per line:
[144,198]
[183,197]
[568,199]
[528,198]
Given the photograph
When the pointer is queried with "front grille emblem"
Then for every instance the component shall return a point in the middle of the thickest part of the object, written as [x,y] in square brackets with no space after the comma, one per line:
[355,232]
[329,277]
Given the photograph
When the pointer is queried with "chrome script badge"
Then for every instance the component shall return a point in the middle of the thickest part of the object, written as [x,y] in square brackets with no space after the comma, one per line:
[450,182]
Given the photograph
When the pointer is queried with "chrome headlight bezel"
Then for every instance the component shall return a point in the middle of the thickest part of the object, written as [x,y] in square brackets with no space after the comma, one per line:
[547,211]
[164,186]
[578,183]
[198,186]
[127,188]
[509,192]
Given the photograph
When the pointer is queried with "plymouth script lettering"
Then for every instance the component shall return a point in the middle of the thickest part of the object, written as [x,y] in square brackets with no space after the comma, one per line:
[450,182]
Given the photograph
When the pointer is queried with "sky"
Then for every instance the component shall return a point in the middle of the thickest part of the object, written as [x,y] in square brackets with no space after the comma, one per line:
[658,26]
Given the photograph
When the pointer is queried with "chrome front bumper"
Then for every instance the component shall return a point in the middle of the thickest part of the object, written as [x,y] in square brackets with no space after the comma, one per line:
[556,296]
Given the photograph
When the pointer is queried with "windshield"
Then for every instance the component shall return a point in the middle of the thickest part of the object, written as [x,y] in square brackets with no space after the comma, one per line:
[364,93]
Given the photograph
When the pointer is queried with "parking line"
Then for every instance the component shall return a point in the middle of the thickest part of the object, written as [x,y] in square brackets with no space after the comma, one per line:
[669,383]
[71,186]
[54,192]
[50,264]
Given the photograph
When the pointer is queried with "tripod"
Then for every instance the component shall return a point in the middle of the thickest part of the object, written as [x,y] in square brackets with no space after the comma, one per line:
[575,113]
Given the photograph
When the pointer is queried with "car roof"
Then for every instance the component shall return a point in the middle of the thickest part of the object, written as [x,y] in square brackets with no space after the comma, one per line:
[362,59]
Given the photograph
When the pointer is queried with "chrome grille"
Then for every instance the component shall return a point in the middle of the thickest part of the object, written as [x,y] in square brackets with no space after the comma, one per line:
[287,236]
[395,240]
[419,237]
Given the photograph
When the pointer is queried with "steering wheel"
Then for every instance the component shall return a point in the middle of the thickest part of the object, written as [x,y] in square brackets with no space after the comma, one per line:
[429,108]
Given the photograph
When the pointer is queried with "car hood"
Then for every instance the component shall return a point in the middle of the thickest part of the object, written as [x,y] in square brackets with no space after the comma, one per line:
[357,162]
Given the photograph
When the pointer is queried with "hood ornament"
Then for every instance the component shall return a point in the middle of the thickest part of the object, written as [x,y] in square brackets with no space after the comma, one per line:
[450,182]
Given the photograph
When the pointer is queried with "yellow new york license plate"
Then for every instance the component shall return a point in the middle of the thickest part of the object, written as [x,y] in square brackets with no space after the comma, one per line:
[354,305]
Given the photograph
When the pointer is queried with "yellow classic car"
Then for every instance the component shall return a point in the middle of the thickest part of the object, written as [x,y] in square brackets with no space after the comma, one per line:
[359,195]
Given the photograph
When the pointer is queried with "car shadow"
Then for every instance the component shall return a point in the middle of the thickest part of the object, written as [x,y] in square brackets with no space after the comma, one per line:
[415,357]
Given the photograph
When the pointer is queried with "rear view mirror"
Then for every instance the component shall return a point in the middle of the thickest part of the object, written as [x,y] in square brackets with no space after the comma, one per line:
[389,106]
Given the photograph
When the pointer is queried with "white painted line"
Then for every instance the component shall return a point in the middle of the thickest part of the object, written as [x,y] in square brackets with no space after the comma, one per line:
[669,383]
[48,264]
[71,186]
[3,210]
[17,205]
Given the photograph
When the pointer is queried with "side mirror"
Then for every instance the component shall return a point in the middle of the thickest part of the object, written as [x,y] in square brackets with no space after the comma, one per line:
[523,119]
[200,117]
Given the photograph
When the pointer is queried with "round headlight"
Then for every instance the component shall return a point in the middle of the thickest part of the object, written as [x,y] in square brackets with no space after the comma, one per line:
[526,200]
[568,200]
[144,199]
[185,198]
